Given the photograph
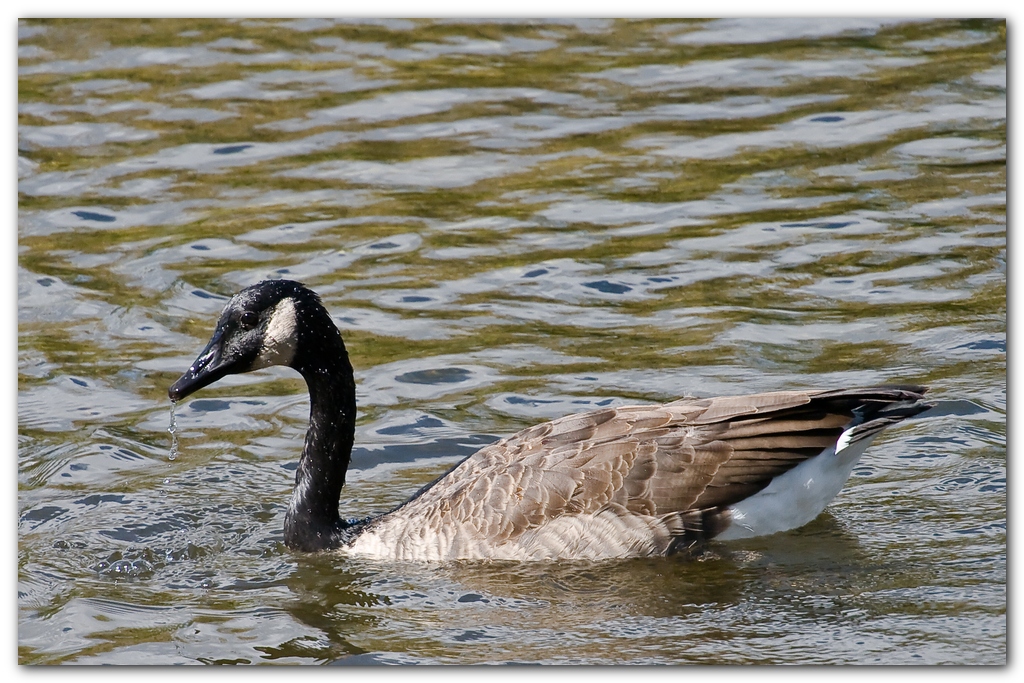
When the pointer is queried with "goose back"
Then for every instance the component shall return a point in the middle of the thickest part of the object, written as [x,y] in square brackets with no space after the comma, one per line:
[633,480]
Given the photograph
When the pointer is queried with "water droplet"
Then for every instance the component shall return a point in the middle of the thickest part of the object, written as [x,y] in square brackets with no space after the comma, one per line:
[173,429]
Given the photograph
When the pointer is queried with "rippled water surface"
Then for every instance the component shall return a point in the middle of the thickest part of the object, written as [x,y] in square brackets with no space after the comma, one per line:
[510,221]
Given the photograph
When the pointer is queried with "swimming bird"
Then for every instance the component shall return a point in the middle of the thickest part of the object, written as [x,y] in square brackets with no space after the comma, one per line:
[627,481]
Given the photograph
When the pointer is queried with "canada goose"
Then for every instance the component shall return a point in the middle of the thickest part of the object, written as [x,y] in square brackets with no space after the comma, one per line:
[618,482]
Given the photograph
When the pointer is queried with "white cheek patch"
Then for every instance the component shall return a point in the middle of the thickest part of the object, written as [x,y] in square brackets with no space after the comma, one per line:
[280,338]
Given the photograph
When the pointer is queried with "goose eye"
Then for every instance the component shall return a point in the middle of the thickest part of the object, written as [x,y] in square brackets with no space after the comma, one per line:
[248,320]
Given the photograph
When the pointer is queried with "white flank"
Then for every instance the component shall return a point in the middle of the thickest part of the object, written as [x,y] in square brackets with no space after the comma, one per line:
[844,440]
[798,496]
[280,338]
[598,536]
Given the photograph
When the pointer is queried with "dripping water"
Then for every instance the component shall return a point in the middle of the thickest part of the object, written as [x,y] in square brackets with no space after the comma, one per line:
[173,429]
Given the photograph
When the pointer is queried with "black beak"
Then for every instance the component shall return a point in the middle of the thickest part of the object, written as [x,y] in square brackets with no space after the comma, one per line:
[209,367]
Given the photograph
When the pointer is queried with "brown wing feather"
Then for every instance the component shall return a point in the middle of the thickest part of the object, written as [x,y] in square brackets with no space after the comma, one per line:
[682,462]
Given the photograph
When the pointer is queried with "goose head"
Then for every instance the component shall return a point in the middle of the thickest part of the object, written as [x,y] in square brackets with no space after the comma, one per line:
[281,322]
[269,323]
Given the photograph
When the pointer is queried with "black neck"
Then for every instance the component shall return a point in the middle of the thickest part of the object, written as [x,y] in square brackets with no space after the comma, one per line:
[312,521]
